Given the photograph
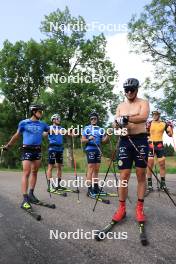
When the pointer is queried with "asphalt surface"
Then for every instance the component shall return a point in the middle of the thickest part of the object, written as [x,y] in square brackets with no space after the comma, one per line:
[24,240]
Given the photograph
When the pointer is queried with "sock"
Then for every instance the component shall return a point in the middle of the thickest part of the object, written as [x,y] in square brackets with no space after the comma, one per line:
[59,180]
[25,197]
[96,187]
[89,188]
[163,179]
[141,200]
[122,203]
[31,191]
[48,182]
[149,181]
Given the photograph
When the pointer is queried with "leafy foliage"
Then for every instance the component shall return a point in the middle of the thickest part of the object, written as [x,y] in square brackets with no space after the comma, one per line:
[153,34]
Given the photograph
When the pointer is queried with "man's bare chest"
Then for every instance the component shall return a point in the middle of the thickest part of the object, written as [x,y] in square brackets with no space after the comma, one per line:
[130,109]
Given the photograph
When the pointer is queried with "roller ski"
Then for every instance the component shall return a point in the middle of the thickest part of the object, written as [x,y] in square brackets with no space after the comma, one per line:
[91,194]
[32,199]
[57,192]
[149,190]
[101,234]
[163,187]
[100,193]
[64,189]
[108,194]
[143,236]
[140,218]
[119,215]
[26,206]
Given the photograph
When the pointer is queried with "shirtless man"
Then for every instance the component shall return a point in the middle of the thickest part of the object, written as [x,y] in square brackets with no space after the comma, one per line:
[132,114]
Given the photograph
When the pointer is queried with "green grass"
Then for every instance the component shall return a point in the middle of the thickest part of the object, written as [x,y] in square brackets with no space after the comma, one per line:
[81,162]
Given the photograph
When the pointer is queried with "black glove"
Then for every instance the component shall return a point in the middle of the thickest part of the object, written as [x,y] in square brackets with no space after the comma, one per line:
[122,121]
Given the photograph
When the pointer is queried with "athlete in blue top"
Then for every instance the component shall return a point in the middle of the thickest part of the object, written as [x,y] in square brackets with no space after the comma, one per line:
[32,130]
[55,150]
[93,136]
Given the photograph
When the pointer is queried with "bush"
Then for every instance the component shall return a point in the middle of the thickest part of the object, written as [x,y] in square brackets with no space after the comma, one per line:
[169,150]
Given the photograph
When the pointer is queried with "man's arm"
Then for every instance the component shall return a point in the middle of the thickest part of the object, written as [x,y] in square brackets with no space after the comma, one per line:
[115,124]
[105,139]
[86,140]
[142,116]
[45,134]
[169,129]
[13,140]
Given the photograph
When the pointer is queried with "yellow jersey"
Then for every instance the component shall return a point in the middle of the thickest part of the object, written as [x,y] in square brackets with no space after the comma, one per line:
[157,129]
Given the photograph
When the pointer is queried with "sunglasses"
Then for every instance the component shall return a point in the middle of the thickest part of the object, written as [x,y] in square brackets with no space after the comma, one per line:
[93,118]
[130,89]
[155,113]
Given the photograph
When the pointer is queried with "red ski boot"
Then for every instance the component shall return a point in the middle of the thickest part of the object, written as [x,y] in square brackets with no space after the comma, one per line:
[120,213]
[140,217]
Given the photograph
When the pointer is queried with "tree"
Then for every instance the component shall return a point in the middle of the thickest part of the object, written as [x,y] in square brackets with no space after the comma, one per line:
[31,71]
[72,56]
[169,150]
[153,34]
[22,73]
[8,122]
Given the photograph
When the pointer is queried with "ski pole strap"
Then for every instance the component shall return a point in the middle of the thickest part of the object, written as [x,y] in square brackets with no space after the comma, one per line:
[154,174]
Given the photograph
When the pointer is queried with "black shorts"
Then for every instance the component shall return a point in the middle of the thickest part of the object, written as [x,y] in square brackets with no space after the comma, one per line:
[127,153]
[31,153]
[93,156]
[156,148]
[55,157]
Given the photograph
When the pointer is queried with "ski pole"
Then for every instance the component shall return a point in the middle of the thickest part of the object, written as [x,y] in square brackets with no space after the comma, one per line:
[75,169]
[47,182]
[156,172]
[115,175]
[101,153]
[116,178]
[107,172]
[114,172]
[156,177]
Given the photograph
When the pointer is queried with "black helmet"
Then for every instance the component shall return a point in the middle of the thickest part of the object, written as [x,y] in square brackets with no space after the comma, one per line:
[131,83]
[93,114]
[35,107]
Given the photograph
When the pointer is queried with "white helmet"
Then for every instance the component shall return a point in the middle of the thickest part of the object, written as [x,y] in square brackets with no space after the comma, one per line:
[55,116]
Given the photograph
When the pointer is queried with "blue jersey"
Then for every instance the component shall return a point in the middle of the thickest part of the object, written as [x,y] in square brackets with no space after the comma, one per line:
[95,131]
[55,138]
[32,131]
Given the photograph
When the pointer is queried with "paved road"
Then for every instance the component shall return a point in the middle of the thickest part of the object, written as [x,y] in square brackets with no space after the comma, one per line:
[24,240]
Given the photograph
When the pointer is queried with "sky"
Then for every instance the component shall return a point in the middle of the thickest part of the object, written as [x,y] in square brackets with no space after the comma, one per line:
[20,20]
